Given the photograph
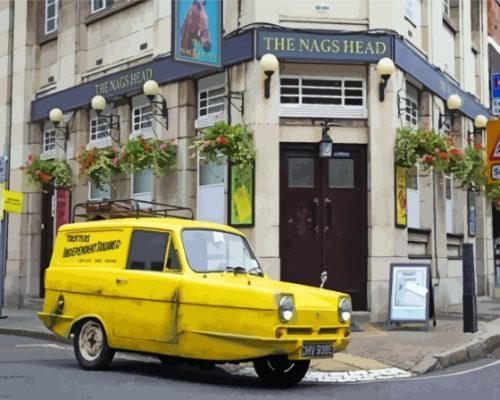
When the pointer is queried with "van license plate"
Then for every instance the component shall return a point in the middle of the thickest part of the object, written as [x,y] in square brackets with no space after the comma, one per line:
[316,350]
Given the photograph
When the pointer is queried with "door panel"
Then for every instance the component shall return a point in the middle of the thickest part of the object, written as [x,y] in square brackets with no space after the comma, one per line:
[323,224]
[47,234]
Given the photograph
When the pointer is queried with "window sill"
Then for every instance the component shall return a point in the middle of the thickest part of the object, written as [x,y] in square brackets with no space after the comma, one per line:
[46,38]
[319,111]
[208,120]
[100,143]
[145,133]
[450,24]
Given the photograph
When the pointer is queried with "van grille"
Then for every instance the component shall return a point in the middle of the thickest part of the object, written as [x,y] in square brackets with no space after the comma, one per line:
[328,331]
[299,331]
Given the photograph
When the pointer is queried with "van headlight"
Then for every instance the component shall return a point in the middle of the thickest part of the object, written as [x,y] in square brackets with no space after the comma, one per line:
[345,309]
[286,308]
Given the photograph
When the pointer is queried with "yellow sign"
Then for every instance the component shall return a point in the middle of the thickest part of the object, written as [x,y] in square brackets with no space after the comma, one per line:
[12,201]
[493,151]
[401,213]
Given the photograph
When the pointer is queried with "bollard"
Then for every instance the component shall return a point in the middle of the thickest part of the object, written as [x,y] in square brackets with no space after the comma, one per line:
[469,289]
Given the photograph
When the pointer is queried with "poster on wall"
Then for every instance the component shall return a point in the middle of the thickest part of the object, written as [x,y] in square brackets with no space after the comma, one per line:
[409,293]
[400,196]
[241,196]
[197,31]
[63,207]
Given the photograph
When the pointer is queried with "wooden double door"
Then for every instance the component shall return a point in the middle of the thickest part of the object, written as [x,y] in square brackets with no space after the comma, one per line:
[323,218]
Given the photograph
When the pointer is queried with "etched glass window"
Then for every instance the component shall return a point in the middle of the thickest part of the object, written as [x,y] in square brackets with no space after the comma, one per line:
[301,172]
[341,173]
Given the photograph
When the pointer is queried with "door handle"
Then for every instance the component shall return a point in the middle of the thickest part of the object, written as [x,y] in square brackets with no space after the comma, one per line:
[315,205]
[121,281]
[328,207]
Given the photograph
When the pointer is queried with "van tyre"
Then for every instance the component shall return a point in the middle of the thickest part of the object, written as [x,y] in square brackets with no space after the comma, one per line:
[279,371]
[91,347]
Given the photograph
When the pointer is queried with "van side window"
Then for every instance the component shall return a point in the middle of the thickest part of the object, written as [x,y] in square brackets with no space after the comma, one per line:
[172,260]
[147,250]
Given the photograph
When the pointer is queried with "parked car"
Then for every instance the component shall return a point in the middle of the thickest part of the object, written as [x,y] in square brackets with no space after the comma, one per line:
[184,290]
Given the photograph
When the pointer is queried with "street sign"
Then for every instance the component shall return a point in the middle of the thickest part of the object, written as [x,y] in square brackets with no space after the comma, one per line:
[12,201]
[495,94]
[493,151]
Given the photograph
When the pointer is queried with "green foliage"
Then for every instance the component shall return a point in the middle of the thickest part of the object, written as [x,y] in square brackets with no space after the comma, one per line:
[438,152]
[233,141]
[158,155]
[43,172]
[100,164]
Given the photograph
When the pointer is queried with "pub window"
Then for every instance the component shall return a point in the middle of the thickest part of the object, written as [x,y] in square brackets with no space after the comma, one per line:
[49,142]
[51,11]
[413,197]
[141,117]
[410,107]
[307,97]
[99,5]
[99,193]
[211,100]
[147,250]
[142,185]
[99,135]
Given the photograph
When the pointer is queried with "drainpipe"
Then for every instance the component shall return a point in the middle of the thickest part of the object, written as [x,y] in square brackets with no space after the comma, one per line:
[6,153]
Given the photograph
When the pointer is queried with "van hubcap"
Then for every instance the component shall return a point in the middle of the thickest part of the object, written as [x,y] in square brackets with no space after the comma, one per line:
[90,340]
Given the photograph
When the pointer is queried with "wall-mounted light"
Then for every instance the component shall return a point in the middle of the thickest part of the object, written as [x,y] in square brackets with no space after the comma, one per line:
[269,64]
[151,90]
[480,123]
[453,104]
[385,68]
[56,116]
[98,104]
[326,143]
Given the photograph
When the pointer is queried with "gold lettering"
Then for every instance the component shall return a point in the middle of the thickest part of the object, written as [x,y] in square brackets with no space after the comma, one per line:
[348,46]
[314,46]
[149,73]
[290,44]
[303,44]
[279,44]
[335,46]
[325,46]
[369,48]
[381,48]
[268,42]
[113,84]
[359,47]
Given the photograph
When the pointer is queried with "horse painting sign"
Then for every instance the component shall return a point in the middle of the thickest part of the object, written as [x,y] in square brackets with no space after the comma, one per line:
[197,31]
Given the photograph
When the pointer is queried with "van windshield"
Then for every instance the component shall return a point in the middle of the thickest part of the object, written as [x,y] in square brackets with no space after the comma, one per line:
[216,251]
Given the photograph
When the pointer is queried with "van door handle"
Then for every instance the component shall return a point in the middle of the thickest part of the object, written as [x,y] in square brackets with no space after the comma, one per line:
[121,280]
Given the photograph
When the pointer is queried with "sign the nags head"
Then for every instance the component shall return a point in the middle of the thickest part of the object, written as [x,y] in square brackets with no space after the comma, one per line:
[324,46]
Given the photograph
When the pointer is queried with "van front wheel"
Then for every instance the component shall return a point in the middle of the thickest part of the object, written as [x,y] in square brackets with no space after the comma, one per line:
[91,347]
[279,371]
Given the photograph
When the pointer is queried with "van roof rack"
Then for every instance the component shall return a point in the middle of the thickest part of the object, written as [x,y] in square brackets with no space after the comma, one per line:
[106,209]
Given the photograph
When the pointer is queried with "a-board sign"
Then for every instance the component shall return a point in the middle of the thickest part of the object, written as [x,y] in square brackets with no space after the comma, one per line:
[409,293]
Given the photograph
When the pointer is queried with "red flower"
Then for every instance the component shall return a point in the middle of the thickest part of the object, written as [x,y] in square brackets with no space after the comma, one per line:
[456,152]
[478,146]
[221,140]
[146,147]
[444,155]
[428,159]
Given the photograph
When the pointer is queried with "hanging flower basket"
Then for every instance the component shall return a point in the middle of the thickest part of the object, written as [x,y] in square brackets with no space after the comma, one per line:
[100,164]
[437,152]
[232,141]
[492,192]
[157,155]
[44,172]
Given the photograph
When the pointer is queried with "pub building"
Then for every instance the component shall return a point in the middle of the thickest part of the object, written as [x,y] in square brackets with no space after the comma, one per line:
[347,74]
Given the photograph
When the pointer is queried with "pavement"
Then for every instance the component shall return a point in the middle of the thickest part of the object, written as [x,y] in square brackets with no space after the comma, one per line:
[380,349]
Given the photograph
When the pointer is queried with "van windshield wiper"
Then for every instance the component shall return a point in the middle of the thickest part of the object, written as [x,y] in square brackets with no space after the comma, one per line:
[236,270]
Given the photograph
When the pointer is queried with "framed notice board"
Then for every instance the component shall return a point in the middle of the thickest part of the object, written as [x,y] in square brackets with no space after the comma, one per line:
[409,293]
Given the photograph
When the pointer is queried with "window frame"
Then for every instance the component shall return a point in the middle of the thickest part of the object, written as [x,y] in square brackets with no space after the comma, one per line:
[105,140]
[165,252]
[203,121]
[319,110]
[91,185]
[106,5]
[412,195]
[147,131]
[412,98]
[446,6]
[144,196]
[55,17]
[51,153]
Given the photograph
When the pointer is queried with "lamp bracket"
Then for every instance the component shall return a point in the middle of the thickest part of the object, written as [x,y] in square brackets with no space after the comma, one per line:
[238,95]
[161,111]
[113,122]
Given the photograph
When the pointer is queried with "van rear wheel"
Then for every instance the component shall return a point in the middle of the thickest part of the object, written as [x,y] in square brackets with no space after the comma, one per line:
[279,371]
[91,347]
